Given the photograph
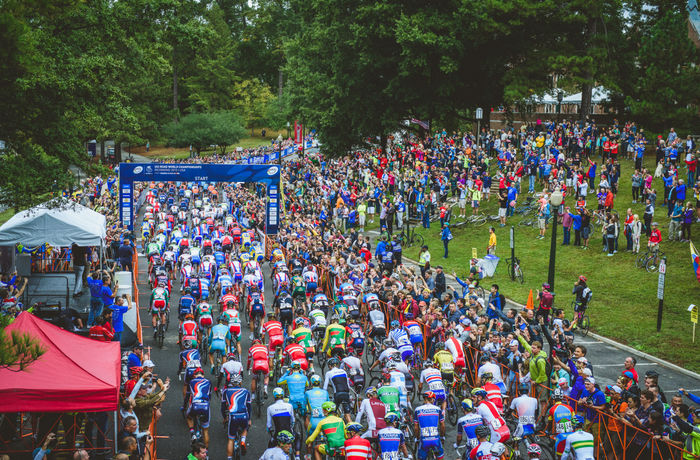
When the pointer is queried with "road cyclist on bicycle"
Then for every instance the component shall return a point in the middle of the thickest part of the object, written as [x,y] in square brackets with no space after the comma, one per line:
[315,397]
[492,418]
[562,416]
[482,450]
[284,441]
[190,360]
[234,325]
[374,410]
[333,428]
[526,409]
[259,357]
[235,409]
[160,303]
[334,340]
[467,425]
[280,417]
[579,444]
[296,383]
[391,439]
[429,421]
[304,337]
[338,378]
[231,368]
[433,378]
[197,404]
[219,340]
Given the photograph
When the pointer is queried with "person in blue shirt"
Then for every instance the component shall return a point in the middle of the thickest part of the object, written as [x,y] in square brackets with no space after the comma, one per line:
[430,425]
[381,248]
[494,303]
[296,383]
[134,358]
[512,196]
[315,397]
[197,404]
[219,339]
[593,400]
[96,304]
[235,406]
[446,236]
[118,310]
[391,439]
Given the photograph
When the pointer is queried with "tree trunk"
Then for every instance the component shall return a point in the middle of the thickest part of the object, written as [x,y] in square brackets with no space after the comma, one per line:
[102,151]
[587,87]
[117,151]
[176,111]
[279,84]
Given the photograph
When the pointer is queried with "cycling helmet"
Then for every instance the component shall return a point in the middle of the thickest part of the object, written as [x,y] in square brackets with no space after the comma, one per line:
[315,380]
[285,437]
[299,311]
[545,286]
[278,393]
[257,342]
[392,417]
[223,319]
[498,449]
[386,376]
[335,318]
[296,365]
[270,314]
[188,290]
[369,391]
[198,371]
[440,346]
[467,404]
[391,365]
[355,427]
[333,362]
[299,321]
[479,392]
[236,379]
[187,344]
[557,395]
[231,356]
[189,316]
[583,279]
[328,406]
[429,395]
[428,363]
[395,324]
[387,342]
[578,421]
[534,449]
[482,431]
[487,376]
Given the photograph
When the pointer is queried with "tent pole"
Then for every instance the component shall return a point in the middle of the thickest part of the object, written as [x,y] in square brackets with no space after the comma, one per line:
[116,432]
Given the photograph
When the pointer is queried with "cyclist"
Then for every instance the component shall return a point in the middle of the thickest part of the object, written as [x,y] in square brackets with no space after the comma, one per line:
[445,363]
[320,301]
[341,389]
[160,302]
[374,409]
[456,347]
[341,311]
[388,351]
[204,316]
[483,447]
[198,396]
[333,429]
[401,340]
[526,408]
[579,444]
[273,329]
[492,418]
[298,288]
[355,336]
[219,340]
[259,355]
[295,353]
[356,448]
[398,379]
[280,414]
[433,378]
[467,425]
[230,369]
[391,439]
[186,304]
[284,305]
[534,451]
[415,332]
[492,390]
[256,307]
[315,397]
[318,318]
[353,366]
[377,321]
[190,360]
[296,384]
[429,422]
[310,276]
[561,415]
[334,340]
[304,337]
[285,439]
[235,408]
[389,394]
[234,325]
[583,295]
[189,332]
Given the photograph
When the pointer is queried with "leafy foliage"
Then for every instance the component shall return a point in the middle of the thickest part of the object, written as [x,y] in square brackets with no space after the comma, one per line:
[203,129]
[17,351]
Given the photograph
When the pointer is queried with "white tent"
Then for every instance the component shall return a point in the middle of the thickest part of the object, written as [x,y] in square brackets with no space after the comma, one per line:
[599,95]
[58,223]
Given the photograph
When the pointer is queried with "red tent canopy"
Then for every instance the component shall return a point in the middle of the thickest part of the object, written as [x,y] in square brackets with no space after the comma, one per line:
[75,374]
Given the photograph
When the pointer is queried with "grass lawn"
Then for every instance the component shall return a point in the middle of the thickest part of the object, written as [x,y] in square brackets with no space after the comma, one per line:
[6,215]
[624,305]
[179,153]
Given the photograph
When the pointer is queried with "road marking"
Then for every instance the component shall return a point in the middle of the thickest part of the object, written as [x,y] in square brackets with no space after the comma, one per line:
[622,365]
[586,343]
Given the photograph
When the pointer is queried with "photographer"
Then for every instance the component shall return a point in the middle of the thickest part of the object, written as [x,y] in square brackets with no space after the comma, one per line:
[49,443]
[146,402]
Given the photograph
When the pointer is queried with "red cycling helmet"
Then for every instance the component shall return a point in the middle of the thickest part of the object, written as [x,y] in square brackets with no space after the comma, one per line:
[429,395]
[582,278]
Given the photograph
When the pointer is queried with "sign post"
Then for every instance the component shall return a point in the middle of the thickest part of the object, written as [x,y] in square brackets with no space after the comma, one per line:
[512,252]
[479,116]
[693,309]
[660,293]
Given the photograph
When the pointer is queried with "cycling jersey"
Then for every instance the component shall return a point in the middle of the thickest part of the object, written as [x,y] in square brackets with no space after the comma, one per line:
[456,347]
[376,318]
[217,338]
[403,342]
[188,330]
[390,396]
[159,300]
[334,338]
[199,395]
[333,429]
[492,419]
[235,403]
[562,415]
[398,380]
[433,378]
[390,441]
[525,407]
[375,410]
[274,453]
[467,426]
[186,306]
[319,319]
[414,330]
[296,383]
[295,353]
[315,397]
[280,416]
[304,338]
[493,393]
[482,452]
[579,446]
[273,329]
[428,417]
[357,448]
[259,356]
[444,361]
[339,379]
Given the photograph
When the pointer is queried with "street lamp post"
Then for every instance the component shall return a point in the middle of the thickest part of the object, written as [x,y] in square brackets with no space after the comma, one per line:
[288,132]
[555,201]
[479,116]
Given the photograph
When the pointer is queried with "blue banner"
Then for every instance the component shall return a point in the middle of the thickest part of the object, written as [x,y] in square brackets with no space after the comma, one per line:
[272,221]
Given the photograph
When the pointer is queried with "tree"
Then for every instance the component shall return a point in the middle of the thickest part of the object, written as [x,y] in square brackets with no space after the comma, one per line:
[17,351]
[204,129]
[665,93]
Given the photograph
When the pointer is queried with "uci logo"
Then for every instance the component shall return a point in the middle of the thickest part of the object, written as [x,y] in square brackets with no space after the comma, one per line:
[138,169]
[272,171]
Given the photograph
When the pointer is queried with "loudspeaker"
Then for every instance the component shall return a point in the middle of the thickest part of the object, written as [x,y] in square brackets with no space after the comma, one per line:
[7,259]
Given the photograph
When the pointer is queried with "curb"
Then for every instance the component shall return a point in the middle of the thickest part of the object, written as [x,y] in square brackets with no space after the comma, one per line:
[615,344]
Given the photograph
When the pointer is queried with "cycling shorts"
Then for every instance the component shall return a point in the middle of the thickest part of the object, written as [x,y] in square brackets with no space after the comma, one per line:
[201,410]
[276,341]
[257,309]
[311,287]
[299,404]
[460,363]
[237,423]
[426,446]
[358,344]
[378,332]
[500,435]
[324,449]
[168,265]
[416,339]
[205,321]
[237,239]
[227,247]
[342,399]
[159,306]
[502,386]
[217,345]
[235,330]
[354,314]
[406,354]
[286,317]
[447,379]
[439,396]
[261,365]
[303,363]
[238,277]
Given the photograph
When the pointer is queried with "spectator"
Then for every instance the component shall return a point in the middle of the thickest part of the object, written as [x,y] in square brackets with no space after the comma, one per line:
[96,304]
[79,254]
[199,452]
[118,309]
[491,248]
[100,331]
[126,253]
[440,283]
[593,400]
[446,236]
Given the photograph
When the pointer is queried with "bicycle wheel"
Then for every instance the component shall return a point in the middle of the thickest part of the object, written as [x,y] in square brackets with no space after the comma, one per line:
[452,414]
[258,394]
[481,221]
[203,350]
[322,358]
[160,334]
[525,223]
[519,274]
[652,264]
[167,318]
[370,357]
[640,262]
[418,240]
[585,325]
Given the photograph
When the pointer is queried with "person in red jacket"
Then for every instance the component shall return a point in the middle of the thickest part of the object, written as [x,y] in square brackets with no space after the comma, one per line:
[655,237]
[356,448]
[100,332]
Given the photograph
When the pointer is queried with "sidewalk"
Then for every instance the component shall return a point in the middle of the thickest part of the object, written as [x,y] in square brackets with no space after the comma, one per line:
[607,356]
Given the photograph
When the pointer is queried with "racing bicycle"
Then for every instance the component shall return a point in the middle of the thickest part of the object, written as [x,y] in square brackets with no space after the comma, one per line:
[514,270]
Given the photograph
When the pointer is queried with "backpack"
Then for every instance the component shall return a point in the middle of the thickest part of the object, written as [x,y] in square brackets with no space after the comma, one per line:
[587,294]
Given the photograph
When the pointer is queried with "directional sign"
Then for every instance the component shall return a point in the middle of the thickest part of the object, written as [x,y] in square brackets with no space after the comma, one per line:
[693,309]
[660,287]
[479,113]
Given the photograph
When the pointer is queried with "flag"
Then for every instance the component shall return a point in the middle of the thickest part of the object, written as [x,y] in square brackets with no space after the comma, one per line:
[298,132]
[696,260]
[530,302]
[423,124]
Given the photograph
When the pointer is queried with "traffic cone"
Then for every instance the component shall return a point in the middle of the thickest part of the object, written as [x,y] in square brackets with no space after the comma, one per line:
[530,302]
